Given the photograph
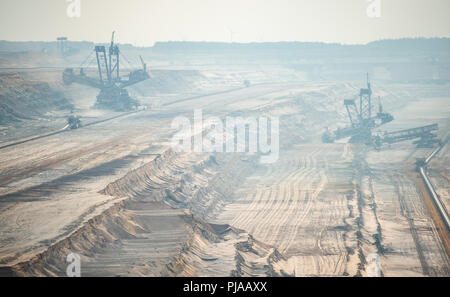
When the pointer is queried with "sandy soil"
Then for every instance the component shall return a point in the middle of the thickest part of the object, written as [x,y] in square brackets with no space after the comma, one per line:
[120,197]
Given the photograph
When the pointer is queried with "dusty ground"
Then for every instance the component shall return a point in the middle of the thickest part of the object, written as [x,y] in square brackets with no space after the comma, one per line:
[120,197]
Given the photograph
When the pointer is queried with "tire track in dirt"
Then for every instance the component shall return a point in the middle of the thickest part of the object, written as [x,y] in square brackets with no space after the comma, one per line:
[406,214]
[285,213]
[265,217]
[422,228]
[253,211]
[279,213]
[312,197]
[303,185]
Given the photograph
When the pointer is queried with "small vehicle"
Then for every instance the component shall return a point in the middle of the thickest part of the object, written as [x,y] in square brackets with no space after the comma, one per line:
[74,122]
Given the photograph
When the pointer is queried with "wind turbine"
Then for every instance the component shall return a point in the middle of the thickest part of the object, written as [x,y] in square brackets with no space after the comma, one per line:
[231,34]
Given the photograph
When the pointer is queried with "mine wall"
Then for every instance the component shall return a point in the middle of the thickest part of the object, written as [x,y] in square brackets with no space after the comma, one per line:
[168,202]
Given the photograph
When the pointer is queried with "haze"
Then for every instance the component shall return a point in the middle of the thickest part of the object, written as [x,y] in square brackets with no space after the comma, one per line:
[144,22]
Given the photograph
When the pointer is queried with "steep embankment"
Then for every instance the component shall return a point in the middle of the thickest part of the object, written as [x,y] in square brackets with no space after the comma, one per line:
[22,99]
[160,229]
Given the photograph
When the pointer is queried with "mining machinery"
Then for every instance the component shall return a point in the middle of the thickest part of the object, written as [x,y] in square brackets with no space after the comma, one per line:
[113,94]
[425,138]
[362,119]
[362,123]
[73,122]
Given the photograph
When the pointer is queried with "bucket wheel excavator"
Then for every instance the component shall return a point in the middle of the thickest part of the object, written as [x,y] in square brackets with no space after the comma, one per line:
[113,94]
[363,121]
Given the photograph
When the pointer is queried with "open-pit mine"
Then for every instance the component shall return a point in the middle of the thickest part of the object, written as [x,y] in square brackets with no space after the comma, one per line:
[359,185]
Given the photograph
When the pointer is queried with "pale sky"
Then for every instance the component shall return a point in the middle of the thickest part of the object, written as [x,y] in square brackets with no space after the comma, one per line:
[143,22]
